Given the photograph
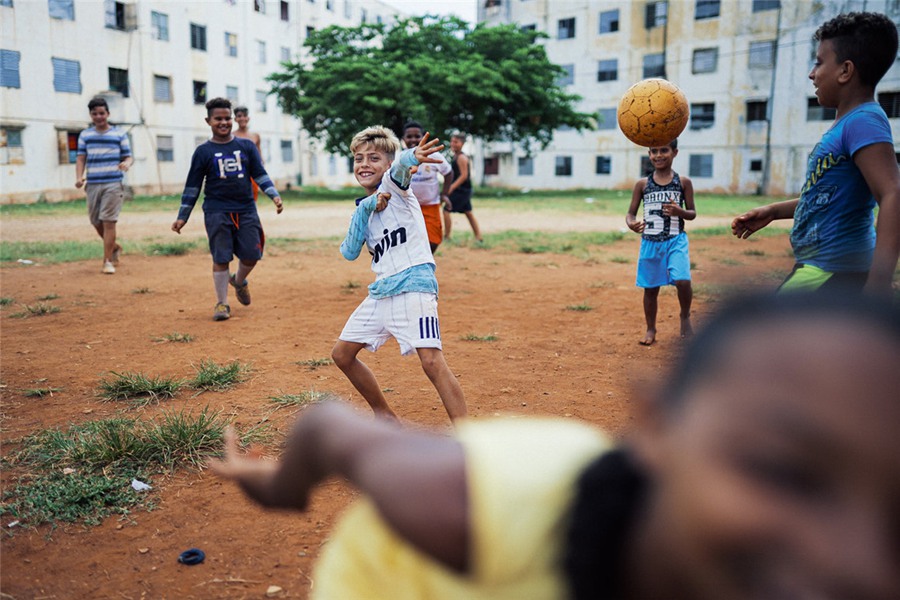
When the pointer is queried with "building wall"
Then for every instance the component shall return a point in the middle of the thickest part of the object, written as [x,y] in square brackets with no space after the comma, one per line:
[40,117]
[746,156]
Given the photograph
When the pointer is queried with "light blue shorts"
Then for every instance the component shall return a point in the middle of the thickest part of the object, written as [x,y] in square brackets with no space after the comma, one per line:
[664,263]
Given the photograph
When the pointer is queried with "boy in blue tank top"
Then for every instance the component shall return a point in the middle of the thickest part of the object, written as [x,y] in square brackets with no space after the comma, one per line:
[668,201]
[850,170]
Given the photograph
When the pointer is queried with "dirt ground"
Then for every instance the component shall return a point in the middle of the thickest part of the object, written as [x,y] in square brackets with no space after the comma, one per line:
[547,359]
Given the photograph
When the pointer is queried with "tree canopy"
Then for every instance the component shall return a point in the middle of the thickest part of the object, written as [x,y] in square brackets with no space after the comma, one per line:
[494,83]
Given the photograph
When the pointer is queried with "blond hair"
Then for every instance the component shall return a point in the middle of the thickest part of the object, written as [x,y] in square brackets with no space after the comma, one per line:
[382,138]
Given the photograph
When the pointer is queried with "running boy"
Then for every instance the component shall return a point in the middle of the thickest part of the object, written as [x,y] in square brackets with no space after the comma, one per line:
[242,117]
[767,466]
[668,202]
[850,170]
[402,302]
[226,164]
[427,188]
[104,151]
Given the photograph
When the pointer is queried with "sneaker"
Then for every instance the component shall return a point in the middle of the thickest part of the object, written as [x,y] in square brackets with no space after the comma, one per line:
[115,254]
[242,291]
[222,312]
[108,268]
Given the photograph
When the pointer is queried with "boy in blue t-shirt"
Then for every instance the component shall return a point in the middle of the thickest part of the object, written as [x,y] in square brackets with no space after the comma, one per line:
[226,164]
[852,168]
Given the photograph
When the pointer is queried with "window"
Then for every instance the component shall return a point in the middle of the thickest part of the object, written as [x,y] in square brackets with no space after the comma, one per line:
[67,144]
[165,148]
[530,27]
[314,165]
[329,5]
[285,13]
[363,16]
[66,75]
[757,110]
[566,29]
[703,116]
[761,5]
[159,24]
[231,92]
[309,30]
[706,60]
[8,3]
[199,92]
[567,78]
[231,44]
[120,16]
[9,68]
[890,103]
[332,165]
[260,52]
[162,88]
[198,37]
[261,101]
[259,6]
[655,14]
[11,150]
[491,165]
[817,112]
[603,166]
[608,70]
[118,81]
[756,165]
[607,119]
[701,165]
[646,166]
[285,54]
[287,151]
[706,9]
[62,9]
[564,165]
[526,165]
[609,21]
[762,54]
[654,65]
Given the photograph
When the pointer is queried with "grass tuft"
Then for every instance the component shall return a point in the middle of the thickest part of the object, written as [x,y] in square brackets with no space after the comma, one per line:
[583,307]
[180,338]
[6,301]
[139,389]
[49,297]
[141,290]
[472,337]
[302,399]
[213,377]
[41,392]
[171,248]
[315,363]
[36,310]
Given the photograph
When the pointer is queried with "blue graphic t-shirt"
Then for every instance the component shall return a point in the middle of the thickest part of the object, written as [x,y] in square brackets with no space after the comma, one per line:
[834,221]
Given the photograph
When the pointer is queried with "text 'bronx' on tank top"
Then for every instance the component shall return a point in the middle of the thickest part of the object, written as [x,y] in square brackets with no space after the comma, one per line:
[659,227]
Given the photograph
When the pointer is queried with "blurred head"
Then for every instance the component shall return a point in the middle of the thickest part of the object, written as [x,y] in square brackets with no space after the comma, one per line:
[99,111]
[242,116]
[373,151]
[773,457]
[457,141]
[868,40]
[412,134]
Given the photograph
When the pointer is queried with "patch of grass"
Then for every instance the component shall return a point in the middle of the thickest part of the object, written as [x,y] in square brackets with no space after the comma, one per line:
[139,389]
[214,377]
[602,285]
[171,248]
[539,242]
[141,290]
[7,301]
[472,337]
[83,473]
[725,260]
[754,252]
[36,310]
[622,260]
[49,297]
[302,399]
[315,363]
[40,392]
[351,285]
[50,252]
[180,338]
[583,307]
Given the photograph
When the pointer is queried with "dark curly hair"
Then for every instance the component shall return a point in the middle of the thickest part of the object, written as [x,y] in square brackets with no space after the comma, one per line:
[868,40]
[217,103]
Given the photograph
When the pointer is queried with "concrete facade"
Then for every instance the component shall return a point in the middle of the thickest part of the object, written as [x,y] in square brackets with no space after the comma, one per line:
[743,65]
[174,55]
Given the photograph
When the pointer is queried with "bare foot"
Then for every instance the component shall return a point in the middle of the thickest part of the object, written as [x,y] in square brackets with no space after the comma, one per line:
[686,329]
[649,338]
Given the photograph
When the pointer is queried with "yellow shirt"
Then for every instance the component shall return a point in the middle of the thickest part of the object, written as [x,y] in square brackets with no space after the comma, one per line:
[521,474]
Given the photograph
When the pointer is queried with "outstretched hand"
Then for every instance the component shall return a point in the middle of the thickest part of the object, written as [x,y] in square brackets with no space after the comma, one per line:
[751,221]
[426,148]
[252,473]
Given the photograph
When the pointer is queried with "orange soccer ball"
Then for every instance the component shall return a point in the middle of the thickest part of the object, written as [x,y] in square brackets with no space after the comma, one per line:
[653,112]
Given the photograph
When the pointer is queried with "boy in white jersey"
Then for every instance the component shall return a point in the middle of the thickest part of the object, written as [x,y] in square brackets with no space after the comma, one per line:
[402,302]
[668,202]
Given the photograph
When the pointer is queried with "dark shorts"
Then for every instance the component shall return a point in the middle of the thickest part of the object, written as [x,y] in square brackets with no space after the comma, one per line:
[461,200]
[234,234]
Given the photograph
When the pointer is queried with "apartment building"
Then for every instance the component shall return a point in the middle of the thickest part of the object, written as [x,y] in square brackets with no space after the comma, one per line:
[156,62]
[743,65]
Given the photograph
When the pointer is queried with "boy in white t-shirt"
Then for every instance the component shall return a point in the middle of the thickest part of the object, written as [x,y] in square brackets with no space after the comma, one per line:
[402,302]
[426,186]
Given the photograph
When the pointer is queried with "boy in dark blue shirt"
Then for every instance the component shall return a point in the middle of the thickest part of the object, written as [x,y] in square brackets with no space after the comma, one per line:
[227,163]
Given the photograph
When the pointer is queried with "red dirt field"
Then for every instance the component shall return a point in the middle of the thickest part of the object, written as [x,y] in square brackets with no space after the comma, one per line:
[547,359]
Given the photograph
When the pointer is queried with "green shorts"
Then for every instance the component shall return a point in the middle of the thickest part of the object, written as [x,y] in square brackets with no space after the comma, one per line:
[807,278]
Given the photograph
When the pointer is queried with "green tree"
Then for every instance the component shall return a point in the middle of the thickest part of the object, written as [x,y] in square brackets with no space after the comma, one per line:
[494,83]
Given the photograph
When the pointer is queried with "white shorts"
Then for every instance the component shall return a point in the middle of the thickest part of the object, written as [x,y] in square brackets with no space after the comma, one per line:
[410,318]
